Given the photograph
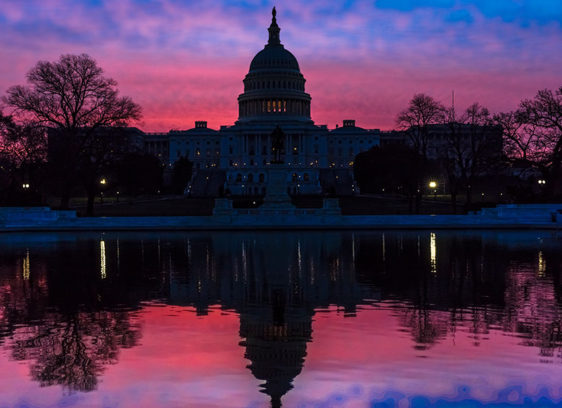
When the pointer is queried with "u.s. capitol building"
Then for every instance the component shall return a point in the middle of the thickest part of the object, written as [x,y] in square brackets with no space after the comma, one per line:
[234,159]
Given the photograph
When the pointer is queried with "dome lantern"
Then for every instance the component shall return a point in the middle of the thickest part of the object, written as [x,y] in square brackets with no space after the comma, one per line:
[274,30]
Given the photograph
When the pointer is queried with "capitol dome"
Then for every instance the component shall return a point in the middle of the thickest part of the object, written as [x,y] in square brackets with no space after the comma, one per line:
[274,57]
[274,85]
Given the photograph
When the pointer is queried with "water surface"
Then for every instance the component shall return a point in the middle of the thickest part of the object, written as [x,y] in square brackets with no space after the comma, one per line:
[311,319]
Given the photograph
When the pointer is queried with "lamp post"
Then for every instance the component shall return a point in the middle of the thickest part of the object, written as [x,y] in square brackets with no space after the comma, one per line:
[103,183]
[433,186]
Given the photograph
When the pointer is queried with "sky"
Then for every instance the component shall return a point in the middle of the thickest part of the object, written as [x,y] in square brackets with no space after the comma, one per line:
[185,60]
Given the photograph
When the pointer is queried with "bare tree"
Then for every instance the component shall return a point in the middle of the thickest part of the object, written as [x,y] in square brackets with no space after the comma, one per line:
[72,97]
[544,111]
[22,155]
[473,146]
[422,112]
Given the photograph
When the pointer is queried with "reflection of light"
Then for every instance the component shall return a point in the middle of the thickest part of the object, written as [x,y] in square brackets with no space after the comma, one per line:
[299,256]
[25,266]
[383,248]
[244,262]
[353,248]
[118,254]
[433,252]
[103,273]
[542,265]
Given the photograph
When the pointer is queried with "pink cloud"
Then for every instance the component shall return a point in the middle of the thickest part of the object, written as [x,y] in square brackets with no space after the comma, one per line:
[184,62]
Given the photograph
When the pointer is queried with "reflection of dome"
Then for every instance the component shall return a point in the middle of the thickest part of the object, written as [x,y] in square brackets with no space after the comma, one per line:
[274,85]
[276,345]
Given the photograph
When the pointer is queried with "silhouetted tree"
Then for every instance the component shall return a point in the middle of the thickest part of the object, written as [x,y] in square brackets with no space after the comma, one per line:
[519,138]
[22,160]
[544,112]
[138,173]
[393,167]
[73,97]
[181,174]
[473,147]
[422,112]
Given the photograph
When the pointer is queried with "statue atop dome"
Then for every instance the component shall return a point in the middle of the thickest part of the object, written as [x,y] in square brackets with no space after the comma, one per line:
[274,30]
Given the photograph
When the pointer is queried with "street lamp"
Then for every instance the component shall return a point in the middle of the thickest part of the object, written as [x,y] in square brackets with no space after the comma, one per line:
[433,185]
[103,182]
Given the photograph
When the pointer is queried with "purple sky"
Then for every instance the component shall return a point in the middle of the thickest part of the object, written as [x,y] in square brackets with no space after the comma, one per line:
[185,60]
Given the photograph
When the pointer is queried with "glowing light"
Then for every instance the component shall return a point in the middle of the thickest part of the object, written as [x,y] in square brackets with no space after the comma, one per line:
[433,252]
[103,273]
[432,184]
[103,181]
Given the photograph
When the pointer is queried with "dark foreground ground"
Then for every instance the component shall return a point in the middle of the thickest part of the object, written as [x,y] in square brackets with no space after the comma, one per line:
[177,206]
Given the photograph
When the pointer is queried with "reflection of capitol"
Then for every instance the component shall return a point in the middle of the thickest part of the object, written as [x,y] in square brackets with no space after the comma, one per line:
[70,313]
[274,292]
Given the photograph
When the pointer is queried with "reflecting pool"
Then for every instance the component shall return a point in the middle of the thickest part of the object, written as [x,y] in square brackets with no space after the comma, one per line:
[292,319]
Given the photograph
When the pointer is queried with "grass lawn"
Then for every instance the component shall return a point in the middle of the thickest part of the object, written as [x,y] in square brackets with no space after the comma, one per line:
[178,205]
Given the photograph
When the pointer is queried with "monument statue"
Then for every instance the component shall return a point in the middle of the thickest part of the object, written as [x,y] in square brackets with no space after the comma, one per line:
[277,144]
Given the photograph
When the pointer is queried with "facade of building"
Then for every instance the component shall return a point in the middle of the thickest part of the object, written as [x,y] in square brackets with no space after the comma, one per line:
[320,160]
[158,144]
[449,140]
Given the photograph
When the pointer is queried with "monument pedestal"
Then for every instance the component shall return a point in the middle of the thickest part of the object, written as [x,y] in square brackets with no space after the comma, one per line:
[276,197]
[223,206]
[331,206]
[277,201]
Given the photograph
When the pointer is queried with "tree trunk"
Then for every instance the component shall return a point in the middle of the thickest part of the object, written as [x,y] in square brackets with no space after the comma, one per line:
[410,203]
[468,201]
[418,202]
[454,201]
[90,205]
[65,200]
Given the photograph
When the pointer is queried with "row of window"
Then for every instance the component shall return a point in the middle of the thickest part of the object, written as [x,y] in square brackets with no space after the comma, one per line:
[275,106]
[279,84]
